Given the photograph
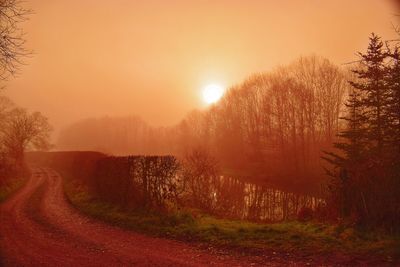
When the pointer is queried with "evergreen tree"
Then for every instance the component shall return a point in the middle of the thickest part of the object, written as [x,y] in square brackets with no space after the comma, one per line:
[393,83]
[363,141]
[371,84]
[352,147]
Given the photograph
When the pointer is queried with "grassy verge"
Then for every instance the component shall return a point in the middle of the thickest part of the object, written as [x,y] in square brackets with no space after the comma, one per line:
[301,237]
[10,187]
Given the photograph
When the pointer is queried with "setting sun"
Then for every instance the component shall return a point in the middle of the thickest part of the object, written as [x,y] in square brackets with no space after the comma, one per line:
[212,93]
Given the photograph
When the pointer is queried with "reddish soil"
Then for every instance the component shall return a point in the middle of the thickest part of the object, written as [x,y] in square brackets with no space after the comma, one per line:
[39,228]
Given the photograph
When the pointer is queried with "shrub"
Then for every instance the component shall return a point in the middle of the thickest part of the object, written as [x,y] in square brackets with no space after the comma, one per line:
[305,214]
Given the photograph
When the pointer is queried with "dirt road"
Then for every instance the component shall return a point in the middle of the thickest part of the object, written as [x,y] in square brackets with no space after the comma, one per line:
[39,228]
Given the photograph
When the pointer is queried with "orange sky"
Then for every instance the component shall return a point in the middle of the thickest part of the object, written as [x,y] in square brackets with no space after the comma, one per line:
[151,58]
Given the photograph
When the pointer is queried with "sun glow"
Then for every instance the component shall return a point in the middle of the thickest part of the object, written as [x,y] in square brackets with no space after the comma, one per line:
[212,93]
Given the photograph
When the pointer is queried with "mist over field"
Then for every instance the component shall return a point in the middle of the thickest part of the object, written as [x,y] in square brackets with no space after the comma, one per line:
[152,59]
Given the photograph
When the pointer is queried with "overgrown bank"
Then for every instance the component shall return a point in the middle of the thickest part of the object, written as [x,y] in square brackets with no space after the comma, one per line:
[294,237]
[165,183]
[7,188]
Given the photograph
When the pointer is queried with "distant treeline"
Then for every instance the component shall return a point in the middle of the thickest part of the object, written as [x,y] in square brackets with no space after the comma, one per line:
[162,183]
[271,128]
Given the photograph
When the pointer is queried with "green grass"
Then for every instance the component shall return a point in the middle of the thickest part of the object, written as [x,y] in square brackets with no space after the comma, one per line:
[10,187]
[299,237]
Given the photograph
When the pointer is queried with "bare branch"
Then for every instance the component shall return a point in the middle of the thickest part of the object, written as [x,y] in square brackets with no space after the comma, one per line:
[12,41]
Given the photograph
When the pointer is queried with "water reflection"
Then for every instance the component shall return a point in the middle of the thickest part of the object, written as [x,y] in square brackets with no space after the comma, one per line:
[234,198]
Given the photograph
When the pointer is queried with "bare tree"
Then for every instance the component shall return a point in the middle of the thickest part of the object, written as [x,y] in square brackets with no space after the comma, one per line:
[12,42]
[23,131]
[6,105]
[200,175]
[271,127]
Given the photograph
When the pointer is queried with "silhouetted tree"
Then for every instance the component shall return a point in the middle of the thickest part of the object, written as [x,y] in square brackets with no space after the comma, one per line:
[12,13]
[272,127]
[371,82]
[366,171]
[21,131]
[393,83]
[352,147]
[200,175]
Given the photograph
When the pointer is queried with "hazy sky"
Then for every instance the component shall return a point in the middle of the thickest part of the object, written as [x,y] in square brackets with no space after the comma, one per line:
[152,58]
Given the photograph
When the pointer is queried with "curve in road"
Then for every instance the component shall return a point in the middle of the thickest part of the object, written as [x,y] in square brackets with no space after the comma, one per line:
[40,228]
